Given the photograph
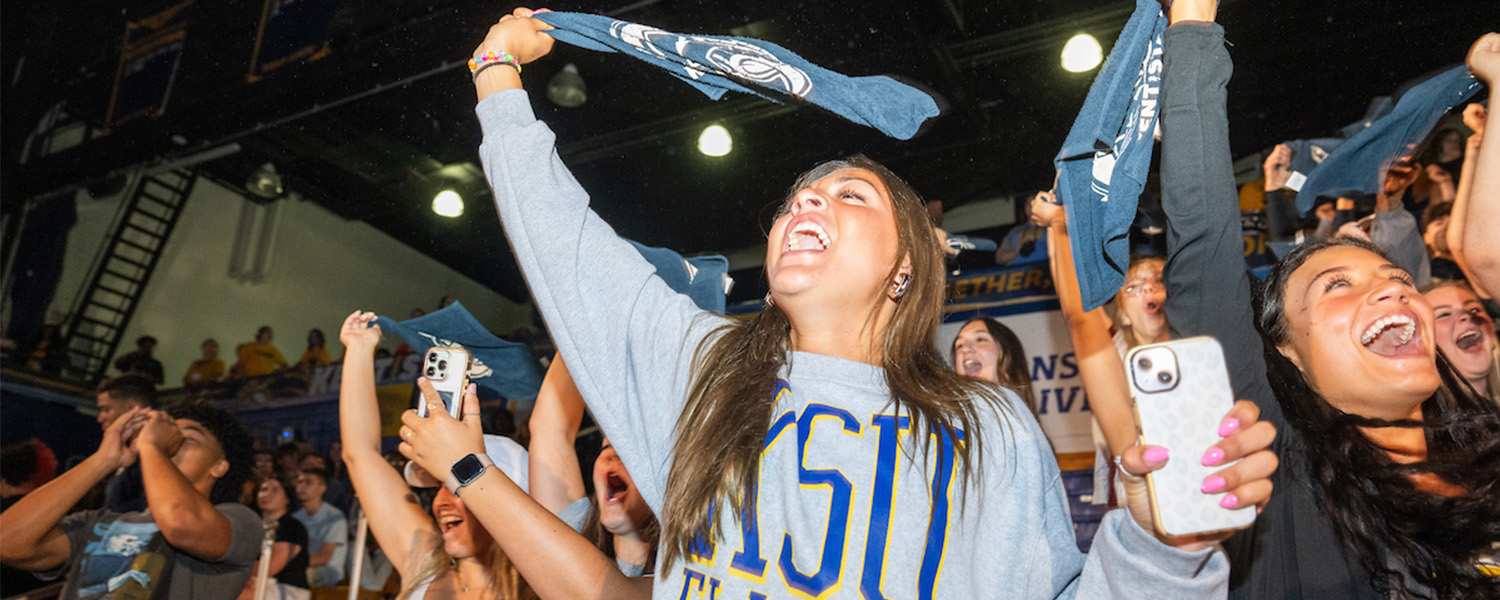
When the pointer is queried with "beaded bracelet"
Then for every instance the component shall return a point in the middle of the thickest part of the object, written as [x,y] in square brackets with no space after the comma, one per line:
[490,59]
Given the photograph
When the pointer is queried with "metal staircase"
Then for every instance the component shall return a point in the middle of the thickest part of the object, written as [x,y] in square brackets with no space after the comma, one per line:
[122,269]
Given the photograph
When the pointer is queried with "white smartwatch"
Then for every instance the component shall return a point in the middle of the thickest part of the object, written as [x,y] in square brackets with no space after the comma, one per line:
[465,470]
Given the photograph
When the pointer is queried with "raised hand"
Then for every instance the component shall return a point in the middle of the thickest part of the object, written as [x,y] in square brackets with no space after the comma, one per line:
[1277,167]
[1246,438]
[439,440]
[1399,177]
[118,446]
[359,333]
[1484,58]
[518,34]
[1045,211]
[161,432]
[1475,117]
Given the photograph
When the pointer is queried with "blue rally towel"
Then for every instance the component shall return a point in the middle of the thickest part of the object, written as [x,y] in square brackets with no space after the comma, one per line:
[1308,154]
[715,64]
[506,368]
[700,278]
[1358,166]
[1102,166]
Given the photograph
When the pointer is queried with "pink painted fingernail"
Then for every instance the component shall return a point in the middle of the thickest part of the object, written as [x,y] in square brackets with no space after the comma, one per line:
[1156,454]
[1212,457]
[1229,501]
[1213,484]
[1228,427]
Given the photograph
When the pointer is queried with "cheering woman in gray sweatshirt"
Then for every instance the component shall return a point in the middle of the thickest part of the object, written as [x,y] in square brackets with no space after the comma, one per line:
[819,449]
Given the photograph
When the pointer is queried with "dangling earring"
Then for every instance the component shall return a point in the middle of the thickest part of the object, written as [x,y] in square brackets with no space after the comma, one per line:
[901,288]
[769,300]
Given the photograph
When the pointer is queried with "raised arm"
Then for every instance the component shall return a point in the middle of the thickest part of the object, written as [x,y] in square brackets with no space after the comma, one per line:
[1395,231]
[1099,364]
[556,561]
[627,337]
[1208,291]
[400,525]
[1481,245]
[1461,198]
[186,517]
[32,539]
[554,478]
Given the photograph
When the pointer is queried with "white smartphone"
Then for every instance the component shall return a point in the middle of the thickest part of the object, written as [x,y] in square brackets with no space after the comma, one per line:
[448,371]
[1180,393]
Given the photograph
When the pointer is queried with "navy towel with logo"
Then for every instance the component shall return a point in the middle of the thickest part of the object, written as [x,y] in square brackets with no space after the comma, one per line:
[1308,154]
[1358,166]
[716,64]
[1102,166]
[506,368]
[701,278]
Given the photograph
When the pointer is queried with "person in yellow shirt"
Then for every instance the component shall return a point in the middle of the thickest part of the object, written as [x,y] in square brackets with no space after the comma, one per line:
[316,354]
[258,357]
[208,369]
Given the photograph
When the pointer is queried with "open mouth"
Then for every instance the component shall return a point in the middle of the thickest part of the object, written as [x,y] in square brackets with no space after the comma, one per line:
[808,236]
[1391,335]
[448,523]
[1469,341]
[972,367]
[1152,307]
[615,488]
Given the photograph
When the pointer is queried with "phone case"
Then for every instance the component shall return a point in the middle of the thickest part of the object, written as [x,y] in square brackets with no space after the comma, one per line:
[448,371]
[1185,419]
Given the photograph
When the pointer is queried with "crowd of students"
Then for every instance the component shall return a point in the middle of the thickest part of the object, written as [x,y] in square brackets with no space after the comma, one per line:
[1366,436]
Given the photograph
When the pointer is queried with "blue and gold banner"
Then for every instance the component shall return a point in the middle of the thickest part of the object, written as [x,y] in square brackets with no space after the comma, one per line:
[149,57]
[1001,285]
[291,31]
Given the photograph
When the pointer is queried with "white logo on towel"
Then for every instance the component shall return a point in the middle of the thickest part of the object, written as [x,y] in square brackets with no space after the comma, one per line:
[1318,153]
[732,58]
[1139,122]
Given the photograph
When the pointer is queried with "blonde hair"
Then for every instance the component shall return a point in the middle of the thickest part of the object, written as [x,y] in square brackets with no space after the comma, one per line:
[502,579]
[730,402]
[1127,331]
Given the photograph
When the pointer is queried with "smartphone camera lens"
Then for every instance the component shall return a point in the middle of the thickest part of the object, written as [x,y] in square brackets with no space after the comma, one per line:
[1144,363]
[443,364]
[1164,377]
[431,371]
[432,358]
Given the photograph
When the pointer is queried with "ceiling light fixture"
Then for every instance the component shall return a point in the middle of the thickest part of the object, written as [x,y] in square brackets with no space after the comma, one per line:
[264,182]
[715,141]
[448,204]
[567,88]
[1081,53]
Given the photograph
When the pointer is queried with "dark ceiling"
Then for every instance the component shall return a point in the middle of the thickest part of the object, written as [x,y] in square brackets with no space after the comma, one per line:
[376,127]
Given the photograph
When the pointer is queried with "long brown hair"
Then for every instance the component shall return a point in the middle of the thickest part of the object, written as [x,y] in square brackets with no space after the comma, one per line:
[730,403]
[1012,366]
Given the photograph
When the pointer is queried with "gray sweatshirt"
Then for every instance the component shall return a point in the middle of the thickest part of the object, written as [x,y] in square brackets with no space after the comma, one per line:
[841,511]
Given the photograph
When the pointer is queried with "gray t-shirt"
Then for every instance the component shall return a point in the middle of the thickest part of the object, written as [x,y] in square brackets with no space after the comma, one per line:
[124,555]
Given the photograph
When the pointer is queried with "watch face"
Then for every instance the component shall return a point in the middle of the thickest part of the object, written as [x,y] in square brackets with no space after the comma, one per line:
[467,468]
